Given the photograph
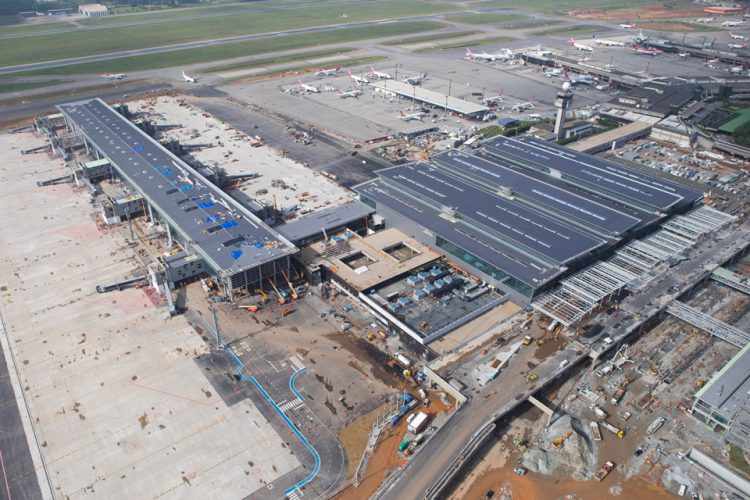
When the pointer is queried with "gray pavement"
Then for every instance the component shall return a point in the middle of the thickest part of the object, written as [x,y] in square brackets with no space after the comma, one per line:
[18,479]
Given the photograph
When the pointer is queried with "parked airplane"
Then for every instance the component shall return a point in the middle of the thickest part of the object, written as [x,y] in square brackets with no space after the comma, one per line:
[378,74]
[188,78]
[704,20]
[736,70]
[484,56]
[523,106]
[114,76]
[490,100]
[628,26]
[355,93]
[683,54]
[304,87]
[609,43]
[415,80]
[737,45]
[732,24]
[580,46]
[359,80]
[413,116]
[328,71]
[581,80]
[646,51]
[552,72]
[737,37]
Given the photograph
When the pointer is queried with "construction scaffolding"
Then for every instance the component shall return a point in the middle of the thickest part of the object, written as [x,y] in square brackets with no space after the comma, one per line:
[581,293]
[732,280]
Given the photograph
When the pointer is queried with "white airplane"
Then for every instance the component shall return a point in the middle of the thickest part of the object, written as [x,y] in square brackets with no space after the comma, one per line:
[646,51]
[705,20]
[350,93]
[683,55]
[188,78]
[732,24]
[328,71]
[415,80]
[489,100]
[523,106]
[628,26]
[304,87]
[114,76]
[413,116]
[359,80]
[736,70]
[581,80]
[485,56]
[552,72]
[737,45]
[580,46]
[711,62]
[737,37]
[378,74]
[609,43]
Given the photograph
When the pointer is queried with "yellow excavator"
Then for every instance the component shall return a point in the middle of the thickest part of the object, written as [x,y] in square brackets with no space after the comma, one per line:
[560,440]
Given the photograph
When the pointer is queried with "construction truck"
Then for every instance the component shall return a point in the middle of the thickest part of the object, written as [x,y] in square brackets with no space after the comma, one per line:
[604,471]
[614,430]
[560,440]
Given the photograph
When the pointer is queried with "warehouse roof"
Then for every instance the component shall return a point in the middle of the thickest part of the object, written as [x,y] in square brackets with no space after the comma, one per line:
[541,195]
[729,388]
[431,97]
[512,222]
[225,234]
[324,220]
[502,255]
[593,173]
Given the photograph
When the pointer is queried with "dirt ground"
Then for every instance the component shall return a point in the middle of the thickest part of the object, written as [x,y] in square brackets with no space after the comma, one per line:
[354,436]
[538,487]
[645,12]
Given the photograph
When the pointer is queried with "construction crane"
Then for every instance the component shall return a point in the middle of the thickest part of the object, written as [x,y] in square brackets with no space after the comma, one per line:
[292,291]
[281,298]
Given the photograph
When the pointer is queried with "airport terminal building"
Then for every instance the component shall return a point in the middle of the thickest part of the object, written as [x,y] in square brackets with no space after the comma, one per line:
[522,213]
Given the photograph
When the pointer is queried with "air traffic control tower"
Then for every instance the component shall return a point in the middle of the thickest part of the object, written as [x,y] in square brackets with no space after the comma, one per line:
[562,103]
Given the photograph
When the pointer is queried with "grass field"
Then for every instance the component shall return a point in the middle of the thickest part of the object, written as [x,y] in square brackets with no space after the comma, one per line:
[268,61]
[436,37]
[82,43]
[484,18]
[232,50]
[563,6]
[580,30]
[306,68]
[467,44]
[17,87]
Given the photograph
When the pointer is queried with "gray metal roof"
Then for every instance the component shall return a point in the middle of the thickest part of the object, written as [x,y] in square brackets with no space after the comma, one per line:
[326,219]
[511,221]
[543,196]
[592,173]
[502,255]
[431,97]
[225,234]
[728,389]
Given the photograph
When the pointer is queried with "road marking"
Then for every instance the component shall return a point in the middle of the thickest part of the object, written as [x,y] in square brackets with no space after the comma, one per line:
[297,362]
[291,405]
[272,365]
[5,476]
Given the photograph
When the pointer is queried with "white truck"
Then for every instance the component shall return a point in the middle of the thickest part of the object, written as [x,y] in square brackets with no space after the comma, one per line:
[417,422]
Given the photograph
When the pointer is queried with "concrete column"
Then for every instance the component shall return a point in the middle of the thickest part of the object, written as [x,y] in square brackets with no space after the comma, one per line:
[150,213]
[169,236]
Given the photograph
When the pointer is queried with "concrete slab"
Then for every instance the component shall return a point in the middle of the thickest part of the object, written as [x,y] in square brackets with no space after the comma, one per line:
[113,388]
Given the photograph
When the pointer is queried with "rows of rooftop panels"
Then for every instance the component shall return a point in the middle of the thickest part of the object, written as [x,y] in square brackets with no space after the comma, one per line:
[595,174]
[502,255]
[226,235]
[493,174]
[528,230]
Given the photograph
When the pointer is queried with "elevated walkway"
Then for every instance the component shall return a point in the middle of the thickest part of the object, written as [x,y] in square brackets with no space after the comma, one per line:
[732,280]
[709,324]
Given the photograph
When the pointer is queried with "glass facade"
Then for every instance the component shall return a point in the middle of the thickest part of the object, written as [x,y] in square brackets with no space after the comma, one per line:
[488,269]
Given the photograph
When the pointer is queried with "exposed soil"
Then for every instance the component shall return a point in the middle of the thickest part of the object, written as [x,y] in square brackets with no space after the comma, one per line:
[354,436]
[645,12]
[366,352]
[538,487]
